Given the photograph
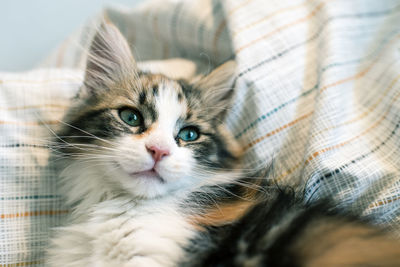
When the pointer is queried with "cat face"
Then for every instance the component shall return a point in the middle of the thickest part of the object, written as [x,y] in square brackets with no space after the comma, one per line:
[144,133]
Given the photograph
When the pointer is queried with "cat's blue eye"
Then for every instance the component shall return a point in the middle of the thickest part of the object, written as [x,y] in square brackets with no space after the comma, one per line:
[131,117]
[188,134]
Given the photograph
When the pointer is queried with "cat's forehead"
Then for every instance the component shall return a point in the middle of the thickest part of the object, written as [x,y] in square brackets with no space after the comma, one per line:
[158,98]
[152,87]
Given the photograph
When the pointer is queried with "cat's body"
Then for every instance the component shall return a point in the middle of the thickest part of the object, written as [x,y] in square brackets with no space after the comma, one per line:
[149,169]
[280,231]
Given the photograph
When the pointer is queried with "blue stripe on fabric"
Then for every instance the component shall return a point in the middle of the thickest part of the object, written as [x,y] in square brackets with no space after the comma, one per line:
[30,197]
[17,145]
[319,32]
[310,188]
[276,109]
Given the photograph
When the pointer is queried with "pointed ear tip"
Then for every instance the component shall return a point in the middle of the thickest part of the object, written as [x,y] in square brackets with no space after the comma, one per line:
[228,69]
[231,65]
[106,26]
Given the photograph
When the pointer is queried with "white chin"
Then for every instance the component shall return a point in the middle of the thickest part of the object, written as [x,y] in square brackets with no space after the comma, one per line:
[148,176]
[145,185]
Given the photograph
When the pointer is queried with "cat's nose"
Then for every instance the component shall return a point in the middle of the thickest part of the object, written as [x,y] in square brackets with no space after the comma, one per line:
[157,153]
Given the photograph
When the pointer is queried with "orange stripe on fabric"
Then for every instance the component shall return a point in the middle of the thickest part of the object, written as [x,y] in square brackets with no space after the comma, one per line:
[288,171]
[357,76]
[18,264]
[266,18]
[309,16]
[383,202]
[290,124]
[41,81]
[35,107]
[361,73]
[223,24]
[364,114]
[32,213]
[233,10]
[30,123]
[317,153]
[320,152]
[354,77]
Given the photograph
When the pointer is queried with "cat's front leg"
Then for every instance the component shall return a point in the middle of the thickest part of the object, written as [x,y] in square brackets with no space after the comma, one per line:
[134,238]
[155,239]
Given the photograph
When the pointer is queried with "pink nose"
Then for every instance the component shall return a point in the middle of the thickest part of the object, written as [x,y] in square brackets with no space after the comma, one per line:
[157,153]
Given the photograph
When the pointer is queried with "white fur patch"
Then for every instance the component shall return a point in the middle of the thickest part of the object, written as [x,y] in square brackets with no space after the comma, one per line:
[124,233]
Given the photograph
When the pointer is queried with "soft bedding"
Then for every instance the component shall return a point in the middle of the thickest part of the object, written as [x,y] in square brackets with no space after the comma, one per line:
[317,90]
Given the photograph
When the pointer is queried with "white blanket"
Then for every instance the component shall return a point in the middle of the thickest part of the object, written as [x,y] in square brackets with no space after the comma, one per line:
[317,90]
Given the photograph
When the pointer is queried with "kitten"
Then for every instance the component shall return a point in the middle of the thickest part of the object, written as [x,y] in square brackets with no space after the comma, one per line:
[133,146]
[154,179]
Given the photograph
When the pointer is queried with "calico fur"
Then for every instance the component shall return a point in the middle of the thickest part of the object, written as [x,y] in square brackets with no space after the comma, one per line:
[194,205]
[128,207]
[281,231]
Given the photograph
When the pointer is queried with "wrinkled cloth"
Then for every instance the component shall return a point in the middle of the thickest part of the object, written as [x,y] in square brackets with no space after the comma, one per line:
[317,93]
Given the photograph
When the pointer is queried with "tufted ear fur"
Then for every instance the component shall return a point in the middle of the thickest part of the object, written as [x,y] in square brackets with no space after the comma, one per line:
[217,89]
[109,59]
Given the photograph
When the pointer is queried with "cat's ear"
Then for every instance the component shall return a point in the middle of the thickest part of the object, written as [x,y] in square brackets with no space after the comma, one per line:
[217,89]
[109,58]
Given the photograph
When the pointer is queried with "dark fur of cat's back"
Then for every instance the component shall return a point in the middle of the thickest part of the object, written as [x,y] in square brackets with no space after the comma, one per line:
[281,231]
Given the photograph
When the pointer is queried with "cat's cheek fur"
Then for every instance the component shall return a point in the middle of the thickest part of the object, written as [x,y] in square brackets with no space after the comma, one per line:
[177,166]
[132,155]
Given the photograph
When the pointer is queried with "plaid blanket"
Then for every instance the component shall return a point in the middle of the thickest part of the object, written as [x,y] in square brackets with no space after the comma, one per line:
[317,91]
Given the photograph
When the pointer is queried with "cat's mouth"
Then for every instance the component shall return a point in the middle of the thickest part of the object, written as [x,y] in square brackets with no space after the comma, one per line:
[149,174]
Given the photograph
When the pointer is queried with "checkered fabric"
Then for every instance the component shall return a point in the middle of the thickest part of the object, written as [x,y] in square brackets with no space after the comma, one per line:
[317,90]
